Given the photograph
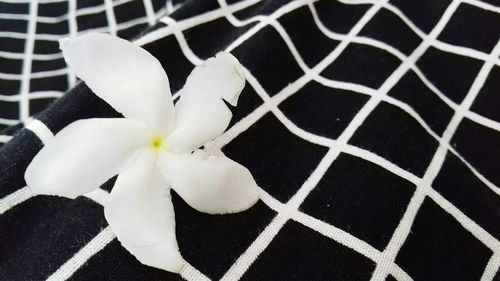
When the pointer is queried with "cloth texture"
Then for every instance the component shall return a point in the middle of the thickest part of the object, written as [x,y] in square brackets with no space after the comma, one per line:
[371,126]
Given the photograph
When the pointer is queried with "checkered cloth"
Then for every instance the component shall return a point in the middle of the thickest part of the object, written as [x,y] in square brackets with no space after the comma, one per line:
[372,127]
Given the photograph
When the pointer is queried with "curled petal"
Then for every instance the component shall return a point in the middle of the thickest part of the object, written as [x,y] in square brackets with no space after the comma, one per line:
[141,214]
[124,75]
[202,114]
[211,184]
[84,155]
[219,77]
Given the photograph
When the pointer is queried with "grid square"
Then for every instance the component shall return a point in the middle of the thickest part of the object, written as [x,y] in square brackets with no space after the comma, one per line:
[362,64]
[53,9]
[12,45]
[193,8]
[207,39]
[132,32]
[159,4]
[423,13]
[37,105]
[322,110]
[54,83]
[487,101]
[439,248]
[9,109]
[10,87]
[310,42]
[44,65]
[339,17]
[464,190]
[388,28]
[59,28]
[482,152]
[46,47]
[299,253]
[391,133]
[13,66]
[11,25]
[14,8]
[92,21]
[271,63]
[452,74]
[202,235]
[262,8]
[80,5]
[128,11]
[280,161]
[412,91]
[472,27]
[354,192]
[54,217]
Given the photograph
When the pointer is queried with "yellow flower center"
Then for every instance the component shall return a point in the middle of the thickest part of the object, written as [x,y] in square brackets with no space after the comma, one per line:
[157,143]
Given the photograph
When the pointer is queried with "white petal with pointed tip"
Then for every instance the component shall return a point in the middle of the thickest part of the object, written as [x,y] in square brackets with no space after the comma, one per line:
[83,155]
[211,184]
[124,75]
[140,212]
[201,113]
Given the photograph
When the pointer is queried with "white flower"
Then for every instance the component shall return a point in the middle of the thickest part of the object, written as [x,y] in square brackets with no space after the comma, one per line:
[152,149]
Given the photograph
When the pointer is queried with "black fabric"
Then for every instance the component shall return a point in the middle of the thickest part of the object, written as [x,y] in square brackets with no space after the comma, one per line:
[362,174]
[57,228]
[52,22]
[435,231]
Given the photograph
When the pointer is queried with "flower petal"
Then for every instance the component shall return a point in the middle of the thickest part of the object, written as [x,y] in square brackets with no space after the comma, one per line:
[84,155]
[211,184]
[140,212]
[124,75]
[202,114]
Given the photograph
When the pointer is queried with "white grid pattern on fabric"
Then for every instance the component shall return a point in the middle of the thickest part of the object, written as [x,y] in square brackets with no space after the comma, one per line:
[25,94]
[289,210]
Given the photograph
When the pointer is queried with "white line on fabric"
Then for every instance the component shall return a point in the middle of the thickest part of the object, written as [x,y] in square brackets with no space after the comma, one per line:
[150,13]
[424,188]
[18,56]
[263,240]
[40,130]
[110,16]
[193,21]
[83,255]
[26,69]
[32,96]
[241,265]
[491,268]
[330,231]
[9,122]
[482,235]
[73,30]
[35,75]
[5,138]
[448,48]
[188,272]
[54,20]
[14,199]
[98,195]
[299,128]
